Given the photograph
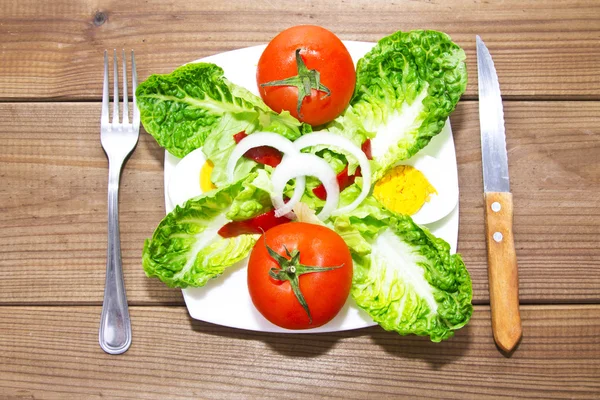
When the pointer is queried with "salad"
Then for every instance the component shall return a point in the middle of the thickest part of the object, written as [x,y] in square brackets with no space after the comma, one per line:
[406,87]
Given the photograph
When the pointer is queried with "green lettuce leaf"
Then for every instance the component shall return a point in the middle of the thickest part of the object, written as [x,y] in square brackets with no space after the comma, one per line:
[185,249]
[253,199]
[218,147]
[182,109]
[404,277]
[406,87]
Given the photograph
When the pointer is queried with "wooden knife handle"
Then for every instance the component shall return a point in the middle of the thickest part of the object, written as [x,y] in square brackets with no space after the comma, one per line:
[502,270]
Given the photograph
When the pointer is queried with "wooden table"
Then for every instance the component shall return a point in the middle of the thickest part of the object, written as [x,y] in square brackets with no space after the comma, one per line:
[53,209]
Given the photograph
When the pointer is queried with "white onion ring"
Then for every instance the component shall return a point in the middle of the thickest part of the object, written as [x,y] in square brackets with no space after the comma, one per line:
[279,142]
[298,165]
[258,139]
[330,139]
[282,208]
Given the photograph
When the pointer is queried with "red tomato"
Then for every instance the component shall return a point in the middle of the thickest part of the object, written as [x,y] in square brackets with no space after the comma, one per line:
[319,50]
[308,246]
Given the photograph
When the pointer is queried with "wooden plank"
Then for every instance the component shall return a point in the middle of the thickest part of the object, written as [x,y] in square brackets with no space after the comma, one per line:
[554,173]
[49,352]
[53,203]
[53,50]
[54,175]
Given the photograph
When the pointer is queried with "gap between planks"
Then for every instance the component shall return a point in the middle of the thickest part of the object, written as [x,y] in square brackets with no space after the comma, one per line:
[465,98]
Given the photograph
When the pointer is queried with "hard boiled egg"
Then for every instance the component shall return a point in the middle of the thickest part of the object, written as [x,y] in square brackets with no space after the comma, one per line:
[392,190]
[190,178]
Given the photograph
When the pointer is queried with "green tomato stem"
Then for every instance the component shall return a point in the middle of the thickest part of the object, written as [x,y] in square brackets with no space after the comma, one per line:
[291,269]
[305,81]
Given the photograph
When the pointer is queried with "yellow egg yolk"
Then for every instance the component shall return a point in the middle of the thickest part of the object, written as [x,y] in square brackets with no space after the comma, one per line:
[205,183]
[403,189]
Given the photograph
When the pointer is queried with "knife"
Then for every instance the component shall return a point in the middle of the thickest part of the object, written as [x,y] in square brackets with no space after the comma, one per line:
[502,259]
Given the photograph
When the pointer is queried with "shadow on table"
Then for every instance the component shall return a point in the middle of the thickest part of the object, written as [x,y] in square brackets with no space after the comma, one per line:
[149,147]
[422,348]
[301,345]
[310,345]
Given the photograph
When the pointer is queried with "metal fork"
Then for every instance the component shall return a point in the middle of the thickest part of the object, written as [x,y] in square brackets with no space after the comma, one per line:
[118,141]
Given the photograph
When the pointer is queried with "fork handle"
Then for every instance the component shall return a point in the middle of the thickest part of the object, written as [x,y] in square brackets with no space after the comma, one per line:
[115,325]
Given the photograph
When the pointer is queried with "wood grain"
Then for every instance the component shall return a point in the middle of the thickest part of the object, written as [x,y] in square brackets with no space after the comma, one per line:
[554,173]
[49,352]
[53,203]
[53,176]
[503,277]
[53,50]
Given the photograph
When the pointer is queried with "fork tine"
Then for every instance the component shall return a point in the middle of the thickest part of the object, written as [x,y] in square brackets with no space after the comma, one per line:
[115,117]
[105,99]
[136,111]
[125,97]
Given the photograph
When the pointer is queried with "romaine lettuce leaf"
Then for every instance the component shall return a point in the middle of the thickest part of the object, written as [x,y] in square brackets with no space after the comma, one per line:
[404,277]
[253,199]
[185,249]
[183,108]
[406,87]
[218,147]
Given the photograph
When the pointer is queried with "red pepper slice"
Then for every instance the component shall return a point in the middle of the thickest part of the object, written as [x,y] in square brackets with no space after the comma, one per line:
[259,224]
[239,136]
[263,155]
[343,180]
[366,148]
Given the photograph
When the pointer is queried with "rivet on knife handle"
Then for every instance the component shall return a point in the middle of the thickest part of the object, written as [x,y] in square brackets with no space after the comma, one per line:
[502,270]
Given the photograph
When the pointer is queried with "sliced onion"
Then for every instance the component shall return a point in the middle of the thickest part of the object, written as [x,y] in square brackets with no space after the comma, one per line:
[258,139]
[301,165]
[280,206]
[274,140]
[330,139]
[306,214]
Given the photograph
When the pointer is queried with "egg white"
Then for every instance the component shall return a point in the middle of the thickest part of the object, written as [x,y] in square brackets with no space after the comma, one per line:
[444,182]
[185,178]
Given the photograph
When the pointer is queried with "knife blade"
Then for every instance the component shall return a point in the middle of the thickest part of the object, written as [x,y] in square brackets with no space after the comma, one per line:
[502,259]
